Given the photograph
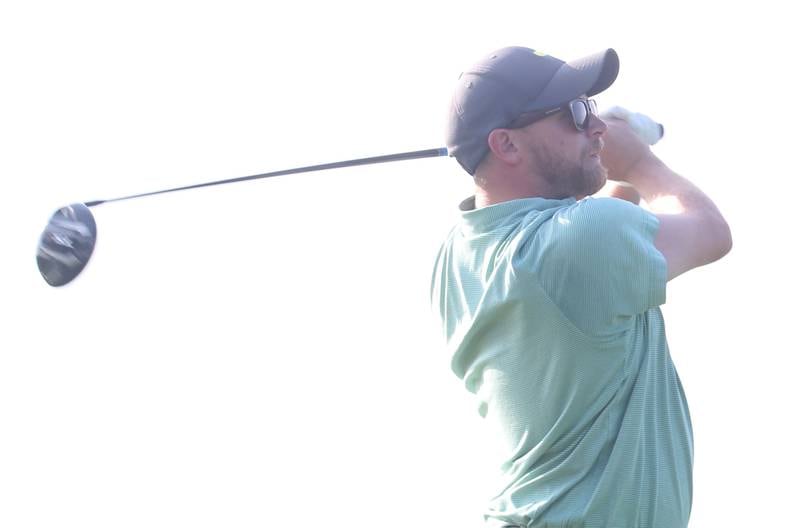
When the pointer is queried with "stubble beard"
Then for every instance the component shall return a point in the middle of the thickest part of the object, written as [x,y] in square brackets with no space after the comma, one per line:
[567,177]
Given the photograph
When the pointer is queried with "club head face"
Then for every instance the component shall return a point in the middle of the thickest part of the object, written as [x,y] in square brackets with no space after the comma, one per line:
[66,244]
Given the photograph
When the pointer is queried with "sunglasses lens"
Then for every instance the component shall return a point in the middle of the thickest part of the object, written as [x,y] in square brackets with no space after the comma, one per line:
[581,110]
[579,114]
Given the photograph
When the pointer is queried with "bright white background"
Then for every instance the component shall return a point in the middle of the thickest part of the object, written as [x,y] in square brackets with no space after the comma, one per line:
[262,354]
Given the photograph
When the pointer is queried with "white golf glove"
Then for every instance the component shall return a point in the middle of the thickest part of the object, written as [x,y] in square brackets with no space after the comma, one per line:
[648,130]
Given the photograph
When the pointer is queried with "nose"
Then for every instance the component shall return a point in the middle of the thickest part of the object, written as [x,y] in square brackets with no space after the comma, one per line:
[596,126]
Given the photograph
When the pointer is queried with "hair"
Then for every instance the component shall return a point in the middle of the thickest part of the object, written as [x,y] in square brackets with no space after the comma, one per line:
[478,175]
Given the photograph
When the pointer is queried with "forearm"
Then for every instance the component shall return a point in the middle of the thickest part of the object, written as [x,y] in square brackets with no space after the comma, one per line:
[692,232]
[688,217]
[628,159]
[666,192]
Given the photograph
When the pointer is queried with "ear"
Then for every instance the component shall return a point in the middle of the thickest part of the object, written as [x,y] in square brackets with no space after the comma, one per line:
[502,144]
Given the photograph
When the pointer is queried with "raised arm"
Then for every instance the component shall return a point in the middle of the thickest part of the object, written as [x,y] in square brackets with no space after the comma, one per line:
[692,231]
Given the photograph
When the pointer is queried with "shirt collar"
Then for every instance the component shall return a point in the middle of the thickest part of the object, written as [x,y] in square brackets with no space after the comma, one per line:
[487,217]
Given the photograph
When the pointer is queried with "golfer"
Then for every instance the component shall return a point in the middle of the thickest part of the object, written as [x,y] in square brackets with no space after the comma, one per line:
[549,297]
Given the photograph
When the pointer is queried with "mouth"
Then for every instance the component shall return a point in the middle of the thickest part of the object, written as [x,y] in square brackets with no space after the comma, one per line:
[598,147]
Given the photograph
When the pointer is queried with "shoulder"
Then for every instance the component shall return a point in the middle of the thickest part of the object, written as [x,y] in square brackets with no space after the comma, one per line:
[590,210]
[599,265]
[592,231]
[597,221]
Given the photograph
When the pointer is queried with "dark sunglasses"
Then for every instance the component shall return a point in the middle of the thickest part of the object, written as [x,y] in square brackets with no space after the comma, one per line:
[581,110]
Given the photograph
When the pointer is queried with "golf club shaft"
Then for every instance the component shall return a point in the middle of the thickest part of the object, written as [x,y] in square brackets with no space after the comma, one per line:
[430,153]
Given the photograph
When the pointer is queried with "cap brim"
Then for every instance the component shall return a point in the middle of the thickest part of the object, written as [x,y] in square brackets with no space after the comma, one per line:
[589,75]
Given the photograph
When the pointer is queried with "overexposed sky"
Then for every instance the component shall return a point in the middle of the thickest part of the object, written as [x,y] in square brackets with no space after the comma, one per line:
[262,354]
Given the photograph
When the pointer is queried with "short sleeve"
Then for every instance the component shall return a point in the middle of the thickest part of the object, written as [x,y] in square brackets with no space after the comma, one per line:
[598,263]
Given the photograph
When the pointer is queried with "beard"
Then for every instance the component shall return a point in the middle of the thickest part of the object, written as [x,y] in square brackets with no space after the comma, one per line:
[567,177]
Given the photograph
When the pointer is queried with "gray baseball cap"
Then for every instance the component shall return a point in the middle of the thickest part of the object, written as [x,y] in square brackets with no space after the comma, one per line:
[512,81]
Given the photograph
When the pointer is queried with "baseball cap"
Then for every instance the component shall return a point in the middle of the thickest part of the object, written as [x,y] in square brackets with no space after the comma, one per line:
[512,81]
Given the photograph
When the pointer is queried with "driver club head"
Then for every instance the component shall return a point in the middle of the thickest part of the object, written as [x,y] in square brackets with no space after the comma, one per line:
[66,244]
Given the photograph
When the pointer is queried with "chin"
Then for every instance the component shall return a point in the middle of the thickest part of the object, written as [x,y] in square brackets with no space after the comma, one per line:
[597,177]
[600,185]
[593,184]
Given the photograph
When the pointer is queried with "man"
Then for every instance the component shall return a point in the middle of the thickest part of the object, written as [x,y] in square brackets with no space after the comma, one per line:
[549,297]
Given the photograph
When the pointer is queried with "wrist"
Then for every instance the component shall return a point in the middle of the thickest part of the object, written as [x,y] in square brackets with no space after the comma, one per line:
[641,170]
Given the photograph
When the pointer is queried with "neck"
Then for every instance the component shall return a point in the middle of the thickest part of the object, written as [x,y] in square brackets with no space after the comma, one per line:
[488,195]
[484,197]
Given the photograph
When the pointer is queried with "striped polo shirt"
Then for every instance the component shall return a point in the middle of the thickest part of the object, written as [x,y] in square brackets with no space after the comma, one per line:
[550,314]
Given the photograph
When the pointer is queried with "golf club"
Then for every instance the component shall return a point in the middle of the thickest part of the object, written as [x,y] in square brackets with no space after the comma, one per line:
[68,240]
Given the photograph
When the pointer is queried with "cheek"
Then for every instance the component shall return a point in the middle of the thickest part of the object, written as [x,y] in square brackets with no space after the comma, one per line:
[572,150]
[558,144]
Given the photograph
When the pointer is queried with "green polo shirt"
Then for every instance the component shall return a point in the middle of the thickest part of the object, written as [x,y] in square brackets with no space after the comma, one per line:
[550,314]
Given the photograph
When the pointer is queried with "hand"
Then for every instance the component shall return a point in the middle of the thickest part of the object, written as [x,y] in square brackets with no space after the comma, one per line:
[648,129]
[623,149]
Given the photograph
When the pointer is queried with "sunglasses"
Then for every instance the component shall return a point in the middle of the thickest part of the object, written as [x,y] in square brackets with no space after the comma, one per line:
[581,110]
